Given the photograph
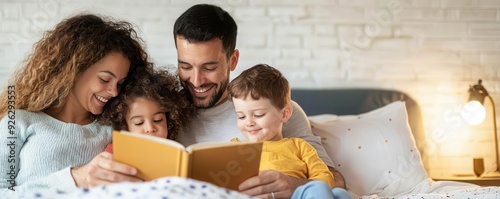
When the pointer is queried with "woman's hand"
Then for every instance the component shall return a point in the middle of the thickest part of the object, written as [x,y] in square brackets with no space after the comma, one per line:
[270,183]
[103,170]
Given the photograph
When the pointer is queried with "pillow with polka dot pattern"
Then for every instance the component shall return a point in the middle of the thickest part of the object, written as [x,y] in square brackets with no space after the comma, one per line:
[374,151]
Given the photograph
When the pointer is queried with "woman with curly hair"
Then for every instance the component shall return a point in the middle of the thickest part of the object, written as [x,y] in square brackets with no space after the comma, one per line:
[154,105]
[51,107]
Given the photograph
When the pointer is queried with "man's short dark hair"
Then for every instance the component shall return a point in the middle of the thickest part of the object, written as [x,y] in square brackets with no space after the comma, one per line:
[203,22]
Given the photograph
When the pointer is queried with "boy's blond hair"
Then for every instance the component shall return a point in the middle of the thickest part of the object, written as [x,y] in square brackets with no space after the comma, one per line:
[260,81]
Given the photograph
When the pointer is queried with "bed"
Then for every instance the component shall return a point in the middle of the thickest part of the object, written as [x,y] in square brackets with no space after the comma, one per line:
[376,140]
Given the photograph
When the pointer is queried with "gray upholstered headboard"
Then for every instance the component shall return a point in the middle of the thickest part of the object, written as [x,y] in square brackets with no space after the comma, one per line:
[356,101]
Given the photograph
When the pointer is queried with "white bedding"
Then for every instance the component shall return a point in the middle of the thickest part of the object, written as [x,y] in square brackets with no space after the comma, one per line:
[378,157]
[471,193]
[430,189]
[168,187]
[175,187]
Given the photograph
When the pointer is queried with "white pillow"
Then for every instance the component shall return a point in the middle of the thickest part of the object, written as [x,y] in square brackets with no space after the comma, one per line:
[374,151]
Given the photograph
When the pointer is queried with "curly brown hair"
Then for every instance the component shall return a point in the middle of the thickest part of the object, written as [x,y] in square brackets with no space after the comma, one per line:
[62,54]
[160,86]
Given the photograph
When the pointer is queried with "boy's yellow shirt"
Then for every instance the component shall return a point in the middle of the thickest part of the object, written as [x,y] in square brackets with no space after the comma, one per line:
[294,157]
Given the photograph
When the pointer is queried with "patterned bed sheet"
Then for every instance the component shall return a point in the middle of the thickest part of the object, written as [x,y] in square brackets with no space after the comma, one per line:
[162,188]
[176,187]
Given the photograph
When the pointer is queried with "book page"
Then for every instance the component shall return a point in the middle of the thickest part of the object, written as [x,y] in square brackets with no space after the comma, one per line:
[152,156]
[164,141]
[205,145]
[226,165]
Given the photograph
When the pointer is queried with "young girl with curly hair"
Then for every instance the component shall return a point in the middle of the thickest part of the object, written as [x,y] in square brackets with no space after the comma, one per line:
[50,109]
[154,105]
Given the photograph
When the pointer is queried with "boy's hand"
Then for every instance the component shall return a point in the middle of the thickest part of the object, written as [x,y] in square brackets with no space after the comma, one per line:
[269,182]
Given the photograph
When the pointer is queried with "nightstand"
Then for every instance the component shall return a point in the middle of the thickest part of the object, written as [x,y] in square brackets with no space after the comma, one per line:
[481,181]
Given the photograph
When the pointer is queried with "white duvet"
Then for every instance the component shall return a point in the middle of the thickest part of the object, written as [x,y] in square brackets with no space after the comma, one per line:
[430,189]
[175,187]
[168,187]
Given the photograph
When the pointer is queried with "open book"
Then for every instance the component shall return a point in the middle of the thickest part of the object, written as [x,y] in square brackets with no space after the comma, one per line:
[224,164]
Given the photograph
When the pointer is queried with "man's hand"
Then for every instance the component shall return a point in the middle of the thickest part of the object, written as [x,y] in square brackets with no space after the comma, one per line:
[103,170]
[269,182]
[337,178]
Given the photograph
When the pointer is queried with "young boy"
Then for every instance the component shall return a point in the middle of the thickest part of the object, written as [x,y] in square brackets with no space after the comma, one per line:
[261,97]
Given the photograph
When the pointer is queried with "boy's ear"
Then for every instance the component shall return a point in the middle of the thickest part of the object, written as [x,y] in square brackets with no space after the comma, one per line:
[287,113]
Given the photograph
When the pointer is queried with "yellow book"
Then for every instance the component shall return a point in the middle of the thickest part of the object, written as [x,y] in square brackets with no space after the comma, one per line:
[224,164]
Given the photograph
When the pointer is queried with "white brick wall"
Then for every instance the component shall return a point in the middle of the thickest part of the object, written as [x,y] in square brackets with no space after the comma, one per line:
[430,49]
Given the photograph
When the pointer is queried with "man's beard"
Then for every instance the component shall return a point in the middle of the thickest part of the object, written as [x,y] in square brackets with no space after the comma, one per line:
[215,97]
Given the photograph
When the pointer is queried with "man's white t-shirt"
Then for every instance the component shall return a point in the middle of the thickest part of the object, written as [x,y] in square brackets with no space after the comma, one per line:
[218,124]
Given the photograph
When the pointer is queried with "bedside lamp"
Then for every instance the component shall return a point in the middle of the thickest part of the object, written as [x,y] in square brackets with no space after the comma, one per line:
[474,113]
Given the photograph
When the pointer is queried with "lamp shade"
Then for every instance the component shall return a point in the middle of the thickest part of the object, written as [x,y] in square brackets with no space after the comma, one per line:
[478,92]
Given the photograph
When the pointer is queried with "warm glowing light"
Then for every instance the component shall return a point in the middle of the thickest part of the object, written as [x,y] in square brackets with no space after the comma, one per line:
[473,113]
